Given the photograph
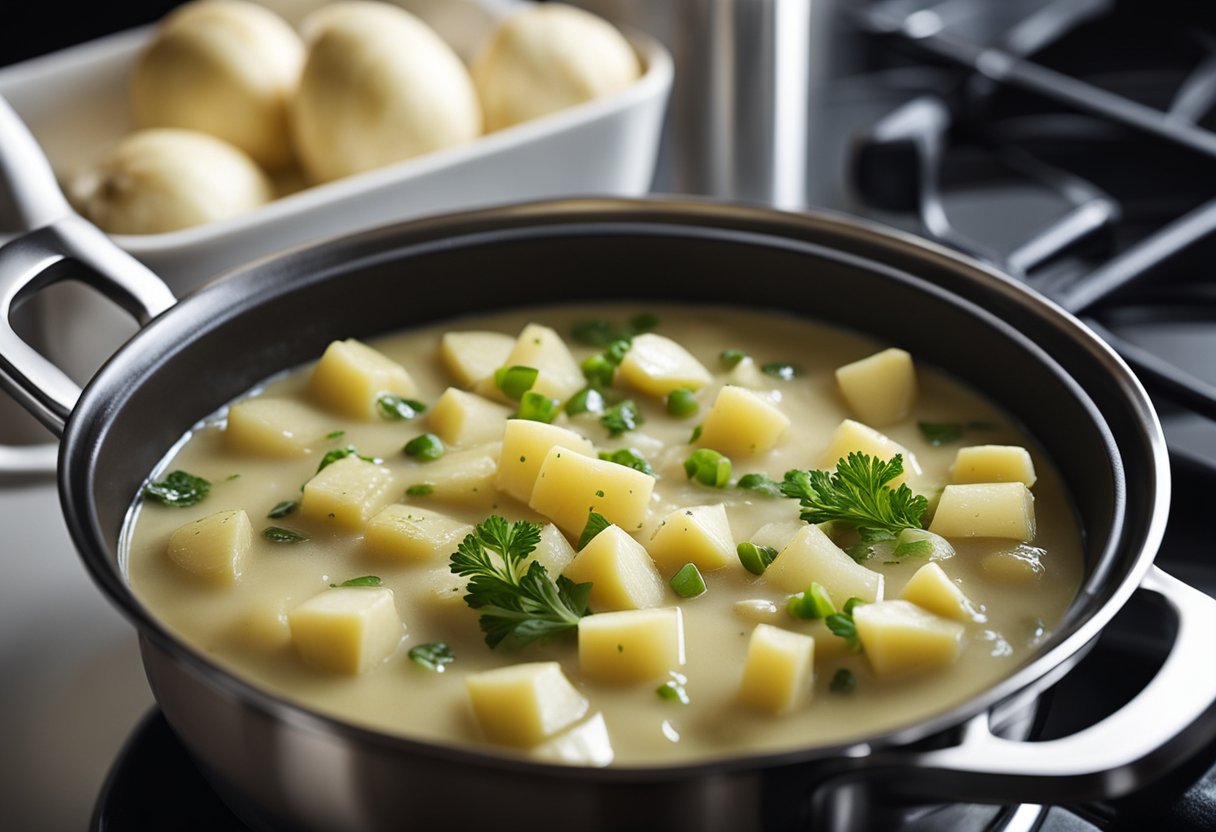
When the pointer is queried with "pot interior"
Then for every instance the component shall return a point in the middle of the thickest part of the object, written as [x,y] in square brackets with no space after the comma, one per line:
[226,338]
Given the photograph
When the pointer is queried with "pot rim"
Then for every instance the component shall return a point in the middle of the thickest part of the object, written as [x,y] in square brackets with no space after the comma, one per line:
[683,214]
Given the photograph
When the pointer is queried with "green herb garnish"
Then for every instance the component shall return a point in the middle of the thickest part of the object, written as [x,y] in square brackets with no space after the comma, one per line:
[682,403]
[341,453]
[362,580]
[858,495]
[708,467]
[335,434]
[760,484]
[629,458]
[696,434]
[673,689]
[587,400]
[421,489]
[812,604]
[435,656]
[522,605]
[283,509]
[595,524]
[843,681]
[278,534]
[940,433]
[179,490]
[598,370]
[600,333]
[621,417]
[397,408]
[425,447]
[841,624]
[781,370]
[537,407]
[515,380]
[755,559]
[688,581]
[730,359]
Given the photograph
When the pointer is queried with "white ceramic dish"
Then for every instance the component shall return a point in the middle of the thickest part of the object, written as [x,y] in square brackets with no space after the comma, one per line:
[75,103]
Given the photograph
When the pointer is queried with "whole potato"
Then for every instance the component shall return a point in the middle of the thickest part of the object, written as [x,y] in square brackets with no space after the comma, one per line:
[164,179]
[378,86]
[547,57]
[225,67]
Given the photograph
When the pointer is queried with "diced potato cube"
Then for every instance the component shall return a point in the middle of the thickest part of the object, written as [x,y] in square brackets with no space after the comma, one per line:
[657,365]
[696,534]
[778,671]
[1001,509]
[776,534]
[812,556]
[460,418]
[466,476]
[347,492]
[993,463]
[879,389]
[553,552]
[348,629]
[444,589]
[631,645]
[1019,565]
[742,422]
[524,446]
[586,744]
[271,426]
[411,533]
[213,547]
[570,485]
[473,356]
[524,704]
[559,375]
[851,435]
[758,610]
[931,588]
[351,376]
[898,637]
[748,374]
[622,575]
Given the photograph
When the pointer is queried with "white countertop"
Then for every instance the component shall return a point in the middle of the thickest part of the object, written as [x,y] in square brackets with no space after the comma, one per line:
[73,686]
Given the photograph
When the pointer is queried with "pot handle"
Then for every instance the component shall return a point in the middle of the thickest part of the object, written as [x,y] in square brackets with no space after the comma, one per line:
[62,246]
[1171,718]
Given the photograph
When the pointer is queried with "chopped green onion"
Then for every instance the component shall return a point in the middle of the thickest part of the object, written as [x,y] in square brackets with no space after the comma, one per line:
[595,524]
[760,484]
[587,400]
[341,453]
[755,559]
[335,434]
[398,408]
[812,604]
[730,359]
[421,489]
[283,509]
[278,534]
[599,332]
[708,467]
[614,353]
[780,369]
[232,477]
[696,434]
[629,458]
[645,322]
[435,656]
[364,580]
[178,490]
[425,447]
[841,624]
[688,582]
[682,403]
[621,418]
[537,407]
[598,370]
[515,380]
[843,681]
[673,689]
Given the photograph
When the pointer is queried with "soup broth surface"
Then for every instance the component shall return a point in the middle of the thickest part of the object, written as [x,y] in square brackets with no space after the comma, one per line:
[243,627]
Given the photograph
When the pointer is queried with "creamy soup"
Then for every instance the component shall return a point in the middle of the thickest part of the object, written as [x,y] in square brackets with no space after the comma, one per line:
[721,676]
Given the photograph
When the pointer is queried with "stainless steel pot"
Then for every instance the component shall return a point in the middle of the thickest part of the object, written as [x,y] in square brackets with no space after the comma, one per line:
[282,766]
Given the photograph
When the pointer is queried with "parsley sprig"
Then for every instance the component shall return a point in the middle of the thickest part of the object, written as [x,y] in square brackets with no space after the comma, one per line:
[858,493]
[518,600]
